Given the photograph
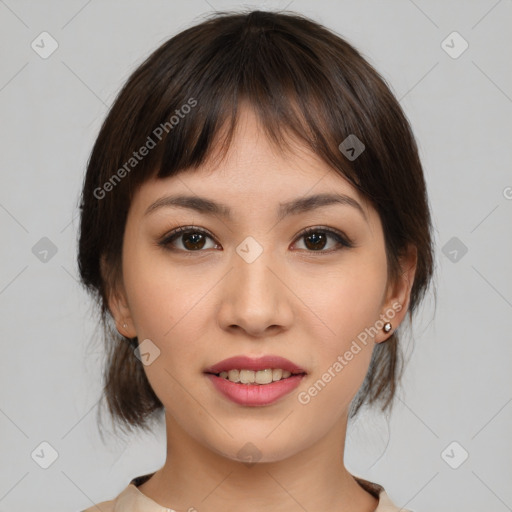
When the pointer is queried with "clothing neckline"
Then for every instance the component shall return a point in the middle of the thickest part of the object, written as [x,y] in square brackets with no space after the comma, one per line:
[372,488]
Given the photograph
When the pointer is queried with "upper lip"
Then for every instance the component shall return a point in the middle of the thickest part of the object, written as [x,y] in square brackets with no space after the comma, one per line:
[255,364]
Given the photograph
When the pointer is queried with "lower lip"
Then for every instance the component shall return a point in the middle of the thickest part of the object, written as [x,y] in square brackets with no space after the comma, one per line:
[255,394]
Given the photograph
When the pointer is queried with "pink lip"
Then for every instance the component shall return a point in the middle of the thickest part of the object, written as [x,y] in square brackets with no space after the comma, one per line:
[255,364]
[255,394]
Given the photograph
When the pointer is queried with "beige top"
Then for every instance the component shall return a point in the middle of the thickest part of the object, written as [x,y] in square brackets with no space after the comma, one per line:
[131,499]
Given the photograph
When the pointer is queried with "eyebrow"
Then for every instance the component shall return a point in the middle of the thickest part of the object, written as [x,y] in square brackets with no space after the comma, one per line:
[293,207]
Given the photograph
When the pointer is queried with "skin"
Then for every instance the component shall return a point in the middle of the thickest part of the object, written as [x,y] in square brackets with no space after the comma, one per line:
[202,306]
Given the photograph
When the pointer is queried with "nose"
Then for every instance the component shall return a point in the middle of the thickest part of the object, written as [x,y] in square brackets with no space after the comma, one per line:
[255,297]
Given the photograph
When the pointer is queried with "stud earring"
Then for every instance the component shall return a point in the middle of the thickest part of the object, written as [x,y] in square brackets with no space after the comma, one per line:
[125,325]
[387,327]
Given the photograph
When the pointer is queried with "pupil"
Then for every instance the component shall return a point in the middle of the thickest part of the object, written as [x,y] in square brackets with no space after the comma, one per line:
[318,240]
[196,237]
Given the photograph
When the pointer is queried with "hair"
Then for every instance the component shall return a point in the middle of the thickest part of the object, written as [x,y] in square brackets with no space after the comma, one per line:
[304,82]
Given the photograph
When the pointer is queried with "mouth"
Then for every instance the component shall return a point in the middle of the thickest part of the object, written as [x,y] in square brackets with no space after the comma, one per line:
[260,377]
[255,371]
[255,382]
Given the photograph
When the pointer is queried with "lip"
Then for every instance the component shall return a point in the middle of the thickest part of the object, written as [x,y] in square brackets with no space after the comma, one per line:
[255,364]
[255,394]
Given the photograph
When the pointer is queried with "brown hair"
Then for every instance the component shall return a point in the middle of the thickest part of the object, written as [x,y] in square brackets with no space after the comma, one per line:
[301,79]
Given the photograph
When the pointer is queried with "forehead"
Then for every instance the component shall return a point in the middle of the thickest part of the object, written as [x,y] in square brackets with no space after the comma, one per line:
[253,173]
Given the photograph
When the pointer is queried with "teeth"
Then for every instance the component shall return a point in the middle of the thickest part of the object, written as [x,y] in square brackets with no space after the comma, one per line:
[277,373]
[232,375]
[260,377]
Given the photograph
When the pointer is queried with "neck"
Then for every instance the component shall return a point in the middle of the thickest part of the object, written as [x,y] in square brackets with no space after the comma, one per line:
[314,478]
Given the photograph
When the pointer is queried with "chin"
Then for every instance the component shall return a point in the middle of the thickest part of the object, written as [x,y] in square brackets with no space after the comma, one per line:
[255,452]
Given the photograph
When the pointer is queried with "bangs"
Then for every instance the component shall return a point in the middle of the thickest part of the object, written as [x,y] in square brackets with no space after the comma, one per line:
[198,85]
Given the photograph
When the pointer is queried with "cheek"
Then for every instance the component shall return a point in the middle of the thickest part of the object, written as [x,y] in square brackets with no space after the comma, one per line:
[163,302]
[161,295]
[169,306]
[350,299]
[349,305]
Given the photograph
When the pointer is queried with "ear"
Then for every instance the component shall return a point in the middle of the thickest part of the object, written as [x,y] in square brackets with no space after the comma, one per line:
[117,301]
[396,303]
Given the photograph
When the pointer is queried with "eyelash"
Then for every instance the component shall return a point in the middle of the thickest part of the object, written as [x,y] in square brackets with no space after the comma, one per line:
[342,239]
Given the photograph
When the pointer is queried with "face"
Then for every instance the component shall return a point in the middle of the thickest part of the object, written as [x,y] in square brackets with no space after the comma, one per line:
[252,283]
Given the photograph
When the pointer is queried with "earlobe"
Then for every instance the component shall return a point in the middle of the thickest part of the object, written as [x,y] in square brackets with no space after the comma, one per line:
[121,313]
[117,303]
[397,302]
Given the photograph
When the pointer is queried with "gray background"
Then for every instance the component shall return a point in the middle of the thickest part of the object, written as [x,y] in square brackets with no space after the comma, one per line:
[457,387]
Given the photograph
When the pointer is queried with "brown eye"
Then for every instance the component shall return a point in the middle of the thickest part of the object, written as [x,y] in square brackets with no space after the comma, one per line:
[192,239]
[316,239]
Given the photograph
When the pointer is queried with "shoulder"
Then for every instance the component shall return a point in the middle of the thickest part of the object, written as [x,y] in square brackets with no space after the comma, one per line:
[104,506]
[113,505]
[130,497]
[376,490]
[386,505]
[126,501]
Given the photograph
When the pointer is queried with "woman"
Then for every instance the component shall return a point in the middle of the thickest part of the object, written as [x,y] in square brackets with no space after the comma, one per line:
[255,222]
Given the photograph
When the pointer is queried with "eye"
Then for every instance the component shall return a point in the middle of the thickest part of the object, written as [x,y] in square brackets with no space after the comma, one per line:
[316,238]
[193,239]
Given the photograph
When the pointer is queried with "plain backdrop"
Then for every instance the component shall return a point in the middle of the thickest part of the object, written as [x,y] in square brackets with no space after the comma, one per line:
[447,445]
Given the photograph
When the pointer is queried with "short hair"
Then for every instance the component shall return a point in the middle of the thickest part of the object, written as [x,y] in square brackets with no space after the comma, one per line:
[301,79]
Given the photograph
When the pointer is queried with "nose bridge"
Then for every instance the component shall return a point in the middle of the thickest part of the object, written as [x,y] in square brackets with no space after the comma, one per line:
[255,298]
[252,273]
